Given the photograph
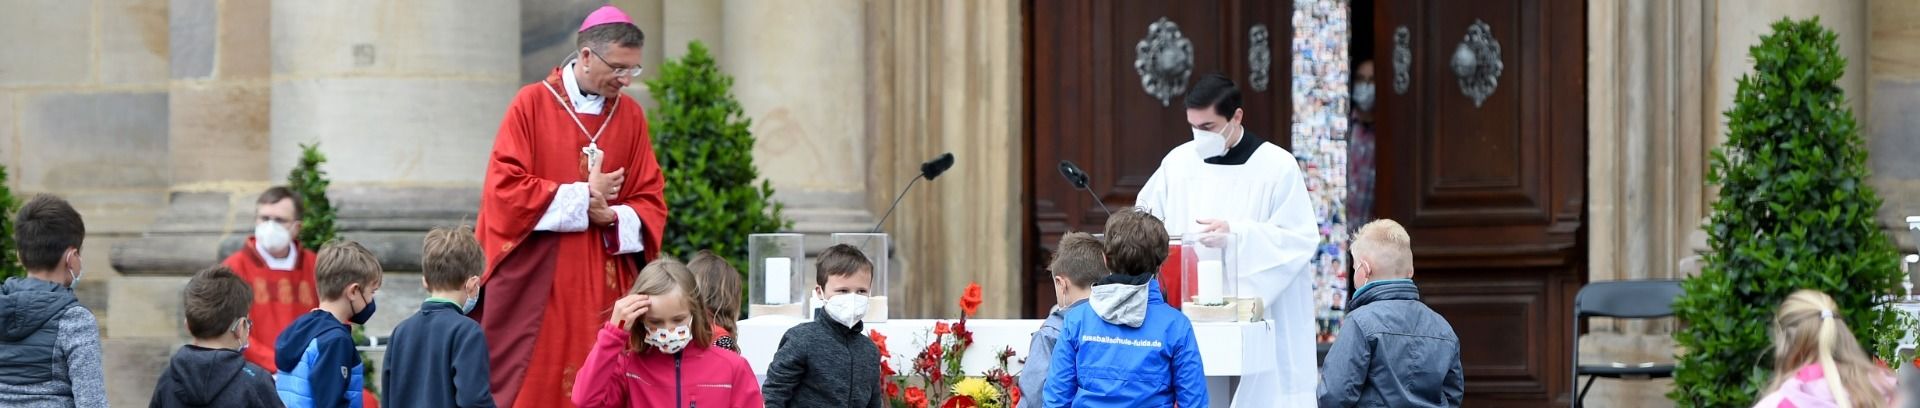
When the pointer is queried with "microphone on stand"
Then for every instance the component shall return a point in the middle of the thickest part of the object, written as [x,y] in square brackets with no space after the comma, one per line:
[928,170]
[1079,179]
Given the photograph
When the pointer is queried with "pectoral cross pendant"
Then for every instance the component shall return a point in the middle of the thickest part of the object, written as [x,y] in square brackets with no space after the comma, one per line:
[593,153]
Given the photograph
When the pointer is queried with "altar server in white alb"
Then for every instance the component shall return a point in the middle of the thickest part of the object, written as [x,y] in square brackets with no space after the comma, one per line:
[1230,181]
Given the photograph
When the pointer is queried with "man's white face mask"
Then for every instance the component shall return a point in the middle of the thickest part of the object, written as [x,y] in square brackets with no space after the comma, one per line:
[272,236]
[1207,144]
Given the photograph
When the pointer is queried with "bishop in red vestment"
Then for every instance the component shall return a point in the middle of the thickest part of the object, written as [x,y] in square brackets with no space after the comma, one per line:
[570,210]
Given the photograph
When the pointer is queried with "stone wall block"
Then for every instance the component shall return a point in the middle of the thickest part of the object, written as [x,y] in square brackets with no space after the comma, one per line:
[418,130]
[193,25]
[220,132]
[245,28]
[94,140]
[133,366]
[433,37]
[134,36]
[60,50]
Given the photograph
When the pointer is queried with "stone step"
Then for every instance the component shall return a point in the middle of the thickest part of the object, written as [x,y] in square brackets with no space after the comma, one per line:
[133,366]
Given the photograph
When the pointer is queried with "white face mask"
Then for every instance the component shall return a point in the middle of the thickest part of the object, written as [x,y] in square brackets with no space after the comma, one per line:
[847,308]
[1363,96]
[670,340]
[272,236]
[74,271]
[242,327]
[1208,144]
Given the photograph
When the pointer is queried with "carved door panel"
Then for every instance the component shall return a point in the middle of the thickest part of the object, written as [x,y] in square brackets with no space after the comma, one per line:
[1481,154]
[1105,85]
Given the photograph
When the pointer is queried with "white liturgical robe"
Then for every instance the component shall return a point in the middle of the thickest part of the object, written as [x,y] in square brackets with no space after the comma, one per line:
[1265,203]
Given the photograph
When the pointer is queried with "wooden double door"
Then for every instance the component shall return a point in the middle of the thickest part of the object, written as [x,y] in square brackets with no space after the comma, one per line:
[1481,145]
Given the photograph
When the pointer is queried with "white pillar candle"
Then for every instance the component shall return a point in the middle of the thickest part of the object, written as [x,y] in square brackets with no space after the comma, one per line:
[779,281]
[1212,280]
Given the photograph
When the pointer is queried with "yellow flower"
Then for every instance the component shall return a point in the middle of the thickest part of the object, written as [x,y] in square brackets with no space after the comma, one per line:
[977,388]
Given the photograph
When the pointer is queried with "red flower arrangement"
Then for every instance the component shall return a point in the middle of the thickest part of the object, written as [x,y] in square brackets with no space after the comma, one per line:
[970,301]
[936,378]
[916,398]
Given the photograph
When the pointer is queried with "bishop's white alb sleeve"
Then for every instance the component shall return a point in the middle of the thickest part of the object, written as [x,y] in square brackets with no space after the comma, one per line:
[629,228]
[568,211]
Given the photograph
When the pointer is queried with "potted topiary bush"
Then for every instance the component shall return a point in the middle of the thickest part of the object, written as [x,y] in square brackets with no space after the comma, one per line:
[1794,212]
[310,183]
[706,154]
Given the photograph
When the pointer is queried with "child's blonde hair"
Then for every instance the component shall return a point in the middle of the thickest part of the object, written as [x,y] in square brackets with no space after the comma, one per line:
[665,276]
[1809,330]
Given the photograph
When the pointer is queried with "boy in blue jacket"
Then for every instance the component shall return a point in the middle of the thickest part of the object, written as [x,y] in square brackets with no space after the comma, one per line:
[315,355]
[1125,347]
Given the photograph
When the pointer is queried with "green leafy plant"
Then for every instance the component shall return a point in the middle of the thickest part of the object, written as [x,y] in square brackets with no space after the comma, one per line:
[317,213]
[700,137]
[9,251]
[1794,212]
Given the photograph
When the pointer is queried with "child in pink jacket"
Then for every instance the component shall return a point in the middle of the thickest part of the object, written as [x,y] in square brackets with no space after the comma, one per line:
[671,362]
[1817,361]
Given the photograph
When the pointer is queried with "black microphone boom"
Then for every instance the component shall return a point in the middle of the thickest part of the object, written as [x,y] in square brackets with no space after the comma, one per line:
[928,170]
[1079,179]
[933,168]
[1074,175]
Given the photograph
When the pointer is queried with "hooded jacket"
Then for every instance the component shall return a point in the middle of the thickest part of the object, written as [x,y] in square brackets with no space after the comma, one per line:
[49,347]
[700,375]
[318,364]
[204,377]
[1125,348]
[1392,352]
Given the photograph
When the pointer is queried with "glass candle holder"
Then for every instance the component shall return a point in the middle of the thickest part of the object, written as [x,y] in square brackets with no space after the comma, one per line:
[776,280]
[875,246]
[1208,269]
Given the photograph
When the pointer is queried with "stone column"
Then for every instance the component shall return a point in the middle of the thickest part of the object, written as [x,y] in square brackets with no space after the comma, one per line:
[809,123]
[946,78]
[404,98]
[1893,96]
[1647,112]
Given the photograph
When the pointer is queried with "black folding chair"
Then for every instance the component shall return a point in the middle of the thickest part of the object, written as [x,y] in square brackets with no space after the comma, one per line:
[1644,299]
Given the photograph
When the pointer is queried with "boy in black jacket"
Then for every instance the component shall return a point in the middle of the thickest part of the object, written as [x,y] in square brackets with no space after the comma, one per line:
[830,361]
[438,357]
[210,372]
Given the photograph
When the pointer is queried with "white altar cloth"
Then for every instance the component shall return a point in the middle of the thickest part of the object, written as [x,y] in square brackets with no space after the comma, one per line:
[1227,350]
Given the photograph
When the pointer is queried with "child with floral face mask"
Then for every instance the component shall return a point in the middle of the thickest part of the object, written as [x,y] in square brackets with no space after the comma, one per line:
[657,351]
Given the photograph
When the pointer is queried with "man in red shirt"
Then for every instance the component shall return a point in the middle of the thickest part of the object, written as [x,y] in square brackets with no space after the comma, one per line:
[280,271]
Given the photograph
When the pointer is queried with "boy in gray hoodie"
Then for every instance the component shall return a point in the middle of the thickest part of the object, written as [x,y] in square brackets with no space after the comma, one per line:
[41,322]
[1079,262]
